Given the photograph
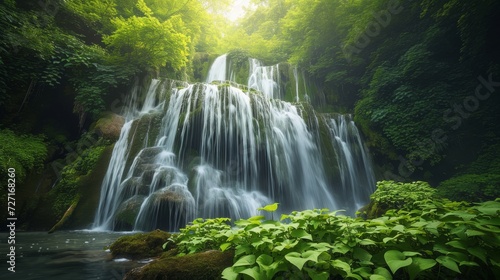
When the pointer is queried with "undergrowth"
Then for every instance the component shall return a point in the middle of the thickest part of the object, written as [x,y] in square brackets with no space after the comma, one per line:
[432,239]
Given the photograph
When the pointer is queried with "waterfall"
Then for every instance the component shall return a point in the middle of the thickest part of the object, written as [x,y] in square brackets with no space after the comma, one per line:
[355,169]
[218,70]
[217,150]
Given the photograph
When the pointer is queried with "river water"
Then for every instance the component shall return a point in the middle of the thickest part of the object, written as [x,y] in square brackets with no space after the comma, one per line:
[64,255]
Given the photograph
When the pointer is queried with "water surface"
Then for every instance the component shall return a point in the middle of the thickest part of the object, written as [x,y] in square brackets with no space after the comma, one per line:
[64,255]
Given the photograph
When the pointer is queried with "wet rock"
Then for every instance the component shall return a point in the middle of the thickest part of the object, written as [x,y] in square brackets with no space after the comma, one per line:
[127,213]
[140,246]
[110,126]
[200,266]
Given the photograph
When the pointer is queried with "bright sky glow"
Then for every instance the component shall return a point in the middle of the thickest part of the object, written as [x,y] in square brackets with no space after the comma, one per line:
[236,11]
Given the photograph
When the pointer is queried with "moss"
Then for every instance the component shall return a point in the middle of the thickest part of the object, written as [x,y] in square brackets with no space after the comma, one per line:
[200,266]
[140,245]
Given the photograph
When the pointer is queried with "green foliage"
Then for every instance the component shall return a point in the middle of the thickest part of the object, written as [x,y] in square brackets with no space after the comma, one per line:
[471,187]
[148,42]
[438,239]
[202,235]
[67,188]
[24,153]
[399,195]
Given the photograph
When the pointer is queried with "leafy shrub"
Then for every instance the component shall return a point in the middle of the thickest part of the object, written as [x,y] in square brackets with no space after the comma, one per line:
[21,152]
[471,187]
[436,240]
[397,195]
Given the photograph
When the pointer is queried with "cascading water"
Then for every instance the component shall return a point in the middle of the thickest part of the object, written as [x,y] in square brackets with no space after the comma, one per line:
[214,150]
[355,169]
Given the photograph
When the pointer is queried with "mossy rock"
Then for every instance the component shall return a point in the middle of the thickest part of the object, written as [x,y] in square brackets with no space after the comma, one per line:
[139,246]
[199,266]
[109,126]
[128,211]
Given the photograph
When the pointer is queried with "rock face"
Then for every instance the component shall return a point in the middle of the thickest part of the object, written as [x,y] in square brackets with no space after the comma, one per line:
[109,126]
[200,266]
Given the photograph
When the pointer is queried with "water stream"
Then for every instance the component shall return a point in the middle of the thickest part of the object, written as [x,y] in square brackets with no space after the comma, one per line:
[76,255]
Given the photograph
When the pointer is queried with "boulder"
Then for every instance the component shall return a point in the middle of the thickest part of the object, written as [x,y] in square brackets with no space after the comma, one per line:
[109,126]
[140,246]
[200,266]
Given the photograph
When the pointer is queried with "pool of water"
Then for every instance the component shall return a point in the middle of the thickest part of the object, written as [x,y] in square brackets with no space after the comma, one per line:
[68,255]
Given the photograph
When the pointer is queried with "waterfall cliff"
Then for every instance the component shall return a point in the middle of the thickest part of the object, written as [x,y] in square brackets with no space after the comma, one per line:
[218,149]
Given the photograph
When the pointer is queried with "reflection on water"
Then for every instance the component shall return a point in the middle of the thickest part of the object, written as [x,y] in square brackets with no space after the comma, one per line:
[64,255]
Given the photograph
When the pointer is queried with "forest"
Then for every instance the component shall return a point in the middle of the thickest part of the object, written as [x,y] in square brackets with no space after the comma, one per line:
[419,78]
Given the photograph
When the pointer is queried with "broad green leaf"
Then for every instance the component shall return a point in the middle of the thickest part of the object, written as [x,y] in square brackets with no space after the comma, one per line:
[381,273]
[396,260]
[448,263]
[315,275]
[377,277]
[366,241]
[468,263]
[269,208]
[489,208]
[478,252]
[245,261]
[399,228]
[231,273]
[223,247]
[253,272]
[341,265]
[284,216]
[264,260]
[471,232]
[295,259]
[418,265]
[361,254]
[301,233]
[457,244]
[341,248]
[312,255]
[411,254]
[364,271]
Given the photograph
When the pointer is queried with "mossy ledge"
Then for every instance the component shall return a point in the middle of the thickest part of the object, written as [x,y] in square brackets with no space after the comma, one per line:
[201,266]
[140,245]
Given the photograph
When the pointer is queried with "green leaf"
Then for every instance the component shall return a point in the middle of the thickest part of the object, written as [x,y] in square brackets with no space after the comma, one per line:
[382,271]
[245,261]
[448,263]
[223,247]
[361,254]
[253,272]
[264,260]
[366,242]
[457,244]
[396,260]
[295,259]
[269,208]
[418,265]
[341,265]
[301,233]
[231,273]
[468,263]
[471,232]
[341,248]
[318,275]
[478,252]
[312,255]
